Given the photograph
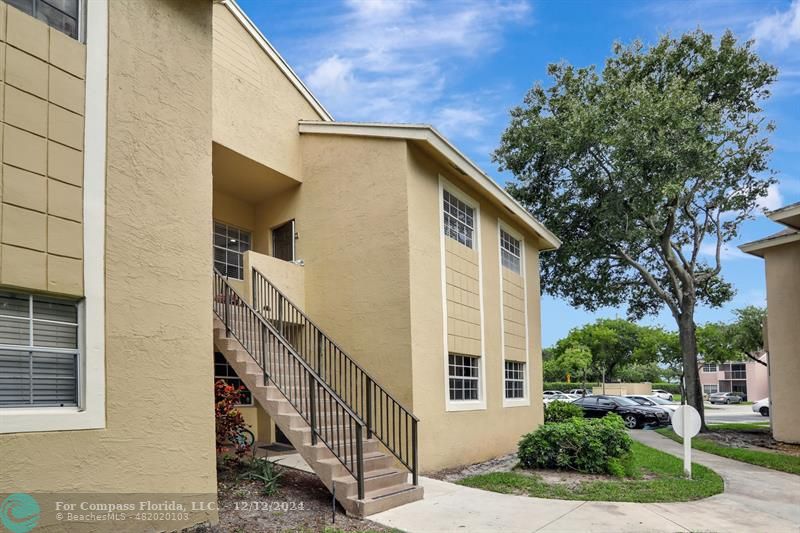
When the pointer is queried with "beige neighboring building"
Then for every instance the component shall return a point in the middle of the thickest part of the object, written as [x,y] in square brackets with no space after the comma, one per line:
[376,292]
[781,253]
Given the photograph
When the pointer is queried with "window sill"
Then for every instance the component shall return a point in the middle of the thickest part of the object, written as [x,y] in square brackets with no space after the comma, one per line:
[466,405]
[36,419]
[516,402]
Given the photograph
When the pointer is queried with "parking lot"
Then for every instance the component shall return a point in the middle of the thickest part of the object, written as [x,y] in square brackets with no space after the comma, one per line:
[732,414]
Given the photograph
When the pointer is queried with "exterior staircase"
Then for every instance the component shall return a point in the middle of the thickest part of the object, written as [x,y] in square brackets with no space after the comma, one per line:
[344,447]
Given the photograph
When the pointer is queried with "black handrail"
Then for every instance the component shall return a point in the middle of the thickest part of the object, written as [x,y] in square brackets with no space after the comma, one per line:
[385,418]
[329,418]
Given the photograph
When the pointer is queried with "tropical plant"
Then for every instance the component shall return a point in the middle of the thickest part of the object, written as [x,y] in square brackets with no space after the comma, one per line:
[266,472]
[229,420]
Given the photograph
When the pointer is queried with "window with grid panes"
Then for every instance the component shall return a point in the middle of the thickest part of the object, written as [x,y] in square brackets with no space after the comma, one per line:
[514,380]
[39,353]
[710,367]
[510,252]
[225,372]
[463,373]
[229,245]
[459,219]
[64,15]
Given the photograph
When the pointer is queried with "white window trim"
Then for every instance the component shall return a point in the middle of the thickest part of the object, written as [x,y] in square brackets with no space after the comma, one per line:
[215,247]
[525,401]
[91,414]
[480,403]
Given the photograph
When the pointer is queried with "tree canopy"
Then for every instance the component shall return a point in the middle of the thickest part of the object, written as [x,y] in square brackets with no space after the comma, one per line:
[642,170]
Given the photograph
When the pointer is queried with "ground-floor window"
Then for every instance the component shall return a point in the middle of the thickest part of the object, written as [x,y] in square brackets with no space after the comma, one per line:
[463,371]
[514,380]
[225,372]
[39,355]
[709,389]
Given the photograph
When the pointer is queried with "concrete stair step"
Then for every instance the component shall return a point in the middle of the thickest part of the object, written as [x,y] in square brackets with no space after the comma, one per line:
[389,497]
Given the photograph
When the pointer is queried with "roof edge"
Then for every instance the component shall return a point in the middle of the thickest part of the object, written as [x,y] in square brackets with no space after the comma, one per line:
[781,214]
[757,247]
[429,134]
[276,57]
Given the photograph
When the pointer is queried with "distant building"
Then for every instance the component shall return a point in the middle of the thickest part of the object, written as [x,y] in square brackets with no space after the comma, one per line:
[748,378]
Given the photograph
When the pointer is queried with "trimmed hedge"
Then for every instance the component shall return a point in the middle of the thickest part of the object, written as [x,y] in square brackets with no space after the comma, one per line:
[590,445]
[559,411]
[673,388]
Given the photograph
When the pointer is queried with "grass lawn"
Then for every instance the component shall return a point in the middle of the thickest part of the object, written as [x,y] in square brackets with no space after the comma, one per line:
[653,476]
[773,460]
[746,426]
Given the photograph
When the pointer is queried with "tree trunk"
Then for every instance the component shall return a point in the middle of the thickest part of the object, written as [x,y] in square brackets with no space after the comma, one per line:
[688,338]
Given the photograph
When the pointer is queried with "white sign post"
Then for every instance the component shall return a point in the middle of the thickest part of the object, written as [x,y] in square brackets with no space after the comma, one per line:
[686,423]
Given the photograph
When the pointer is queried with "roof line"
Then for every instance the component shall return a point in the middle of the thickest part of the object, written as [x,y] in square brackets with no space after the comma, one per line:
[270,50]
[756,247]
[781,214]
[429,134]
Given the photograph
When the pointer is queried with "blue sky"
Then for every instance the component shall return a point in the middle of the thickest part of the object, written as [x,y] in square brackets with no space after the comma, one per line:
[461,65]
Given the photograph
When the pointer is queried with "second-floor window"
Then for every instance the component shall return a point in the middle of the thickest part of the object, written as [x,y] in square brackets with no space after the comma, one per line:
[63,15]
[710,367]
[229,245]
[459,219]
[510,252]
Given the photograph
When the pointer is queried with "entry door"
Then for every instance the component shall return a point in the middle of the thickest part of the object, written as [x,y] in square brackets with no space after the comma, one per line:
[283,241]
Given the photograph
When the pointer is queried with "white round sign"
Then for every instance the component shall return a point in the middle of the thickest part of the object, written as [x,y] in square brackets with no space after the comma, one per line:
[686,421]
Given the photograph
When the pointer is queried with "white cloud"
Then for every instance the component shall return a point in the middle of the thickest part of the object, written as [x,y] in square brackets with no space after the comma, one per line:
[780,30]
[773,200]
[727,252]
[397,60]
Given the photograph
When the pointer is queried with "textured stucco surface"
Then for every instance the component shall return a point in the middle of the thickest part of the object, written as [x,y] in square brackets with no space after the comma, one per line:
[160,426]
[449,438]
[246,80]
[783,309]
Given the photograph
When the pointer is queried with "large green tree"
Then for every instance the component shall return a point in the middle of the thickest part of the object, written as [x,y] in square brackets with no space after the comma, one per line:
[640,169]
[733,341]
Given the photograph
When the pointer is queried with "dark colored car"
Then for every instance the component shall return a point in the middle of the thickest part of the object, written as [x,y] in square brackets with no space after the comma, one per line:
[634,415]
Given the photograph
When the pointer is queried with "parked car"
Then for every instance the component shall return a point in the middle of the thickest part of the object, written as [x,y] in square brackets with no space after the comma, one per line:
[663,394]
[580,392]
[561,397]
[762,407]
[634,415]
[551,392]
[724,397]
[654,401]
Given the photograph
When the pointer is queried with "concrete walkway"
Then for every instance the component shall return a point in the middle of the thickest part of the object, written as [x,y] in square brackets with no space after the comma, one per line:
[755,499]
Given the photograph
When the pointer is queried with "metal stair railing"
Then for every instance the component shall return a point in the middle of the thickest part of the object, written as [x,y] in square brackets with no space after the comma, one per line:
[331,420]
[385,418]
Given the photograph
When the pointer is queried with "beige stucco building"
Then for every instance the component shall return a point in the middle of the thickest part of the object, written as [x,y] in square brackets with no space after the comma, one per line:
[781,253]
[376,291]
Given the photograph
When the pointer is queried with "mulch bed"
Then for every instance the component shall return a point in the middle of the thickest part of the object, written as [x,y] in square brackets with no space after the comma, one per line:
[302,504]
[757,439]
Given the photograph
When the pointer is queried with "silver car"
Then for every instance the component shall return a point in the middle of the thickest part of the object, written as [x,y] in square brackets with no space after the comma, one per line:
[724,397]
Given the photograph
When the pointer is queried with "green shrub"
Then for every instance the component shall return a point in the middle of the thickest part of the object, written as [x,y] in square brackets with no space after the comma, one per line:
[590,445]
[564,386]
[672,388]
[264,471]
[559,411]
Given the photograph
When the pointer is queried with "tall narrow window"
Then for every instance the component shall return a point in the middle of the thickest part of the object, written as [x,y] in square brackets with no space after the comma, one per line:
[515,380]
[510,252]
[39,354]
[229,245]
[283,241]
[463,373]
[63,15]
[459,219]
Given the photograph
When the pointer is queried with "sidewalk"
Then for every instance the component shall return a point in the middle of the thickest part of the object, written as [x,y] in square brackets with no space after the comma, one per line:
[755,499]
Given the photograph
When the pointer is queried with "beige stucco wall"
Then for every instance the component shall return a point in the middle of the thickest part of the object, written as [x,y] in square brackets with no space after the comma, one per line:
[621,389]
[256,107]
[352,219]
[159,434]
[41,128]
[448,438]
[783,309]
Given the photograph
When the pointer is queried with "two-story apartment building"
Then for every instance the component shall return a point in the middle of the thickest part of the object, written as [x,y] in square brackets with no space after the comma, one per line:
[374,289]
[748,378]
[781,254]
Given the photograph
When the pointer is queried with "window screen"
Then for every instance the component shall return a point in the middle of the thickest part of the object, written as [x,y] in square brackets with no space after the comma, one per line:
[229,245]
[509,252]
[38,351]
[459,219]
[515,380]
[63,15]
[463,373]
[224,371]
